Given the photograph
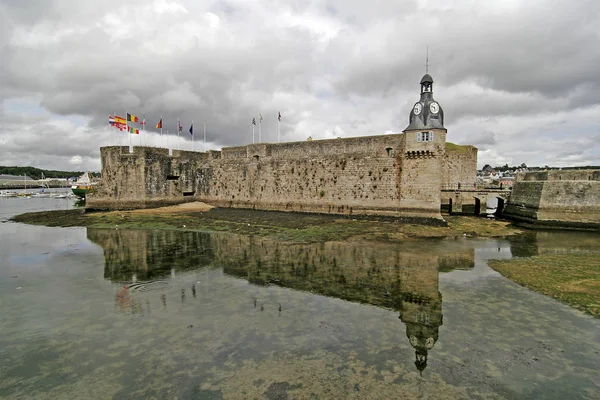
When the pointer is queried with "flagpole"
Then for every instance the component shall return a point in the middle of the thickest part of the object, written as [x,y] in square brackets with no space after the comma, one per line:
[278,128]
[192,135]
[140,133]
[259,127]
[129,133]
[204,145]
[178,129]
[143,130]
[253,133]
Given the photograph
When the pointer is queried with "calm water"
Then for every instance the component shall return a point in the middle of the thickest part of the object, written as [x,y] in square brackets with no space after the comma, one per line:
[108,313]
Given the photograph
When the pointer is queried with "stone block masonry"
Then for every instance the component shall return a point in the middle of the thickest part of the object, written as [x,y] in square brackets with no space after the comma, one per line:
[557,198]
[391,175]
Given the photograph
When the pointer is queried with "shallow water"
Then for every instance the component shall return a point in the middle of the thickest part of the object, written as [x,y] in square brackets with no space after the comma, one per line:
[108,313]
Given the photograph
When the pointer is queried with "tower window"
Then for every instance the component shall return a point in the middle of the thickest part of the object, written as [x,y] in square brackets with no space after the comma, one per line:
[424,136]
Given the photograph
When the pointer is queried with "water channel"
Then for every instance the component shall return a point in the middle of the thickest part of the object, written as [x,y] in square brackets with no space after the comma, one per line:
[128,314]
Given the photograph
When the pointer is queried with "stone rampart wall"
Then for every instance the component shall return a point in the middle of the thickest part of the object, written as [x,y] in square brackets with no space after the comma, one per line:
[383,175]
[557,198]
[560,175]
[147,177]
[460,166]
[317,184]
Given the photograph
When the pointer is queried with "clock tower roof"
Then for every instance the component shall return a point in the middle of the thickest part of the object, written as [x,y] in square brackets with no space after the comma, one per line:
[426,113]
[426,79]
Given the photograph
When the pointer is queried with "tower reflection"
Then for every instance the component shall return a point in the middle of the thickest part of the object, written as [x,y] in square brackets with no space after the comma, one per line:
[403,277]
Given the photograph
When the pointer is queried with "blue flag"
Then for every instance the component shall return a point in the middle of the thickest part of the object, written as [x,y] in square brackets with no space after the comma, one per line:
[192,129]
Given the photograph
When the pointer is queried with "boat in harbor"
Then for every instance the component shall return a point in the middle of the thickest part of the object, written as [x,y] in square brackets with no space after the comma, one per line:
[6,193]
[84,185]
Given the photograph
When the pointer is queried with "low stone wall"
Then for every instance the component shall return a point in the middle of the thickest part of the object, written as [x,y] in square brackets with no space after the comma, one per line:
[557,198]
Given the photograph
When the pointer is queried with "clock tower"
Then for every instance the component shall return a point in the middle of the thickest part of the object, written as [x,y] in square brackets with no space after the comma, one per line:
[424,149]
[426,113]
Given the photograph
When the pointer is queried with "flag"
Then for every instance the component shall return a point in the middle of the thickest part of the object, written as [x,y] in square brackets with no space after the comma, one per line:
[253,121]
[260,118]
[192,129]
[159,125]
[113,122]
[279,117]
[179,127]
[132,118]
[119,120]
[143,121]
[134,130]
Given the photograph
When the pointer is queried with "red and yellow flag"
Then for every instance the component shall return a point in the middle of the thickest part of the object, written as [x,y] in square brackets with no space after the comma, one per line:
[119,120]
[159,125]
[132,118]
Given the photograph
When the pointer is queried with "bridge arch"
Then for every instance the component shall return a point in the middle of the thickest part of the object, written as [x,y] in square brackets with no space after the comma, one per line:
[500,206]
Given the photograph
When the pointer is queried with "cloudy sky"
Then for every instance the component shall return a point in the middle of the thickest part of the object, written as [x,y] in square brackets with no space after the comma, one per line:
[519,79]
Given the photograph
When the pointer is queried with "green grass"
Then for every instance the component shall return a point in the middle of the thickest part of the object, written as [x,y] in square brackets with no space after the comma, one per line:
[571,279]
[457,148]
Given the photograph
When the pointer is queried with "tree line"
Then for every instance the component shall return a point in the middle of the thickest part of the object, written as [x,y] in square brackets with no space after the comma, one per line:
[506,167]
[36,173]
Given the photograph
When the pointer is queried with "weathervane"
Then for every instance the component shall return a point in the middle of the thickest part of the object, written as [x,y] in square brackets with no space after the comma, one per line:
[427,61]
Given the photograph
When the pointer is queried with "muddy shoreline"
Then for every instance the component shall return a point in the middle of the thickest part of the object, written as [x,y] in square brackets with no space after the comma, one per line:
[286,226]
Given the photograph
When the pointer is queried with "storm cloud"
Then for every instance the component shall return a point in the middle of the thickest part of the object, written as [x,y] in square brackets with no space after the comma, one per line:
[518,79]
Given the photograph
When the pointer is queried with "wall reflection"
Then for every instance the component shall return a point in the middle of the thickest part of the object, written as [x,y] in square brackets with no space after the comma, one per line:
[402,277]
[144,255]
[553,242]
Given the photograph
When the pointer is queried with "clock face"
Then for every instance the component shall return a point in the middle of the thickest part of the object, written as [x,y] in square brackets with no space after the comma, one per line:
[434,108]
[417,108]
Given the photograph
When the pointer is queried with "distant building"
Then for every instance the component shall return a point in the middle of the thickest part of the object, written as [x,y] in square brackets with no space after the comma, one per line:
[506,182]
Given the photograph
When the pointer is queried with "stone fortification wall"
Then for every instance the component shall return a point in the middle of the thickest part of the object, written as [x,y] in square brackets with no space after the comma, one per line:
[147,177]
[563,198]
[460,165]
[365,175]
[357,175]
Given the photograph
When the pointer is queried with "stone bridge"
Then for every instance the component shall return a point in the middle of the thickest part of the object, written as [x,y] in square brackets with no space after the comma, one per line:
[475,199]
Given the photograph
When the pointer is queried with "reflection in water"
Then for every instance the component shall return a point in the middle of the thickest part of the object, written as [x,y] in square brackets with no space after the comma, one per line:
[146,260]
[553,242]
[142,255]
[401,277]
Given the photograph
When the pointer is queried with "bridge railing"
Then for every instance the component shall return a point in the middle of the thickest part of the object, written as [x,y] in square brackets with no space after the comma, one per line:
[461,186]
[466,186]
